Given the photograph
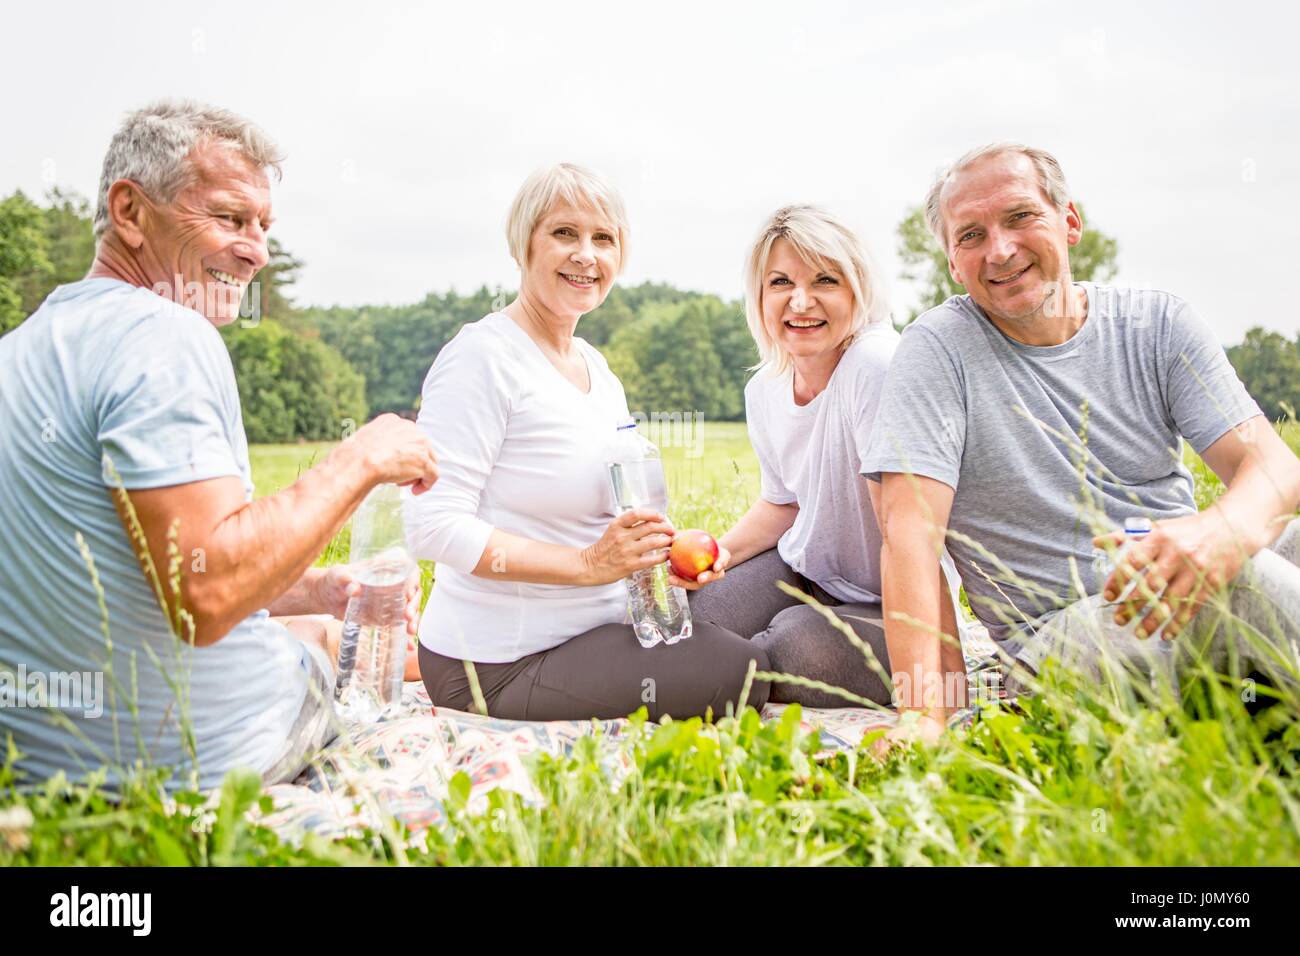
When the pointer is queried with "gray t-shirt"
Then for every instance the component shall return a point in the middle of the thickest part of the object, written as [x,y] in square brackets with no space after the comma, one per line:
[1046,446]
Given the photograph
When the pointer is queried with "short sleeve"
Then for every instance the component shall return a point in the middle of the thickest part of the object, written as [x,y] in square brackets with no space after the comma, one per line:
[1205,396]
[771,487]
[920,424]
[869,389]
[167,407]
[464,410]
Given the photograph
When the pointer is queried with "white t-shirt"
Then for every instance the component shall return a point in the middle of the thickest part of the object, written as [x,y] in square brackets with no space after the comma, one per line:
[519,448]
[811,455]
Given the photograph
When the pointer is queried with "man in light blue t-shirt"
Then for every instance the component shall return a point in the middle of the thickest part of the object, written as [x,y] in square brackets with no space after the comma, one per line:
[118,405]
[1024,422]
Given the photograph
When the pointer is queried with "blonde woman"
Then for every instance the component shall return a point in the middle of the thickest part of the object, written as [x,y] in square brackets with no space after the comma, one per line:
[530,553]
[818,316]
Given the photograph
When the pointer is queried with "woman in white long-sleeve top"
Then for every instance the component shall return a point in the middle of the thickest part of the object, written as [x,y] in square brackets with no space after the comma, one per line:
[530,553]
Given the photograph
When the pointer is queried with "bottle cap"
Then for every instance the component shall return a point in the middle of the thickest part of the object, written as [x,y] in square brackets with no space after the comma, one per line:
[1138,526]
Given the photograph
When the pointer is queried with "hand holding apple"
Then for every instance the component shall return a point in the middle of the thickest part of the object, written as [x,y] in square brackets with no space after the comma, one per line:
[696,559]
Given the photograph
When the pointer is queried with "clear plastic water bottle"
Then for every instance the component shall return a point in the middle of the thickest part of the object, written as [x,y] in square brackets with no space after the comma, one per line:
[636,473]
[1135,529]
[372,652]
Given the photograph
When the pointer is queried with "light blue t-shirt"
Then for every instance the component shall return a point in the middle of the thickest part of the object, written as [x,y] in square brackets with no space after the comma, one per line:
[108,372]
[1046,446]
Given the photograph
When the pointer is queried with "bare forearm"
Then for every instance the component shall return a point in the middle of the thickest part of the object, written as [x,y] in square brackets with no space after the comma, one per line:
[264,549]
[917,612]
[758,530]
[301,597]
[1261,498]
[509,557]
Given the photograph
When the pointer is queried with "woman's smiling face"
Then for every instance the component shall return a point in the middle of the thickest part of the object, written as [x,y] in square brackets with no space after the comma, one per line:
[573,257]
[807,310]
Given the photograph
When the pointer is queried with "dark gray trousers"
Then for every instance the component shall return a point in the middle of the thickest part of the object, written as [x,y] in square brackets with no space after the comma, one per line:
[796,638]
[605,673]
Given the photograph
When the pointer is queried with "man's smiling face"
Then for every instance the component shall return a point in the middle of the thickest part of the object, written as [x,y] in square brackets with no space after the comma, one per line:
[1007,243]
[213,234]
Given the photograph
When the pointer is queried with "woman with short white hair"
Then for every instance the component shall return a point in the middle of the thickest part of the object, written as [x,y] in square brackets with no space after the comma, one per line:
[818,316]
[531,553]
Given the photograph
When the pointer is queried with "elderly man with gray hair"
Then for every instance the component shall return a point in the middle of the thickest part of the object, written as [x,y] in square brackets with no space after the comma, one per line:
[1028,423]
[129,541]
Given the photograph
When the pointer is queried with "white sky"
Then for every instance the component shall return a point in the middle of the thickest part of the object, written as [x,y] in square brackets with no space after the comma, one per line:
[409,128]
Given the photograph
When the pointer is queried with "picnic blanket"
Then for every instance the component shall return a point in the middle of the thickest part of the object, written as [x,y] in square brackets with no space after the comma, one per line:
[401,766]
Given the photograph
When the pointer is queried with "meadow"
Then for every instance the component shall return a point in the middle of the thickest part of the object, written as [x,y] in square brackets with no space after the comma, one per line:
[1084,773]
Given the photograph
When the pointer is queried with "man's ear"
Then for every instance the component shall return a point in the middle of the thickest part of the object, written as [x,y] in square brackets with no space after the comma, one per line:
[952,271]
[1074,223]
[127,211]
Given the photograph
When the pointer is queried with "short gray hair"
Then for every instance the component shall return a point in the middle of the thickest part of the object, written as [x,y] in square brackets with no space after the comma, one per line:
[563,182]
[153,144]
[823,241]
[1050,179]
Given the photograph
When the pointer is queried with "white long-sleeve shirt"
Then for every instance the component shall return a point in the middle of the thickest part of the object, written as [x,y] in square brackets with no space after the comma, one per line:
[519,448]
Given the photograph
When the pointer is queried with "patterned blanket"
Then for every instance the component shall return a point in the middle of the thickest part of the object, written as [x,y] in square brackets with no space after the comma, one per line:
[401,766]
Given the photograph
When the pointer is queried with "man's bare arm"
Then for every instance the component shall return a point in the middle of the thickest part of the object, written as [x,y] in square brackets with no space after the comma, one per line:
[1189,558]
[912,512]
[237,557]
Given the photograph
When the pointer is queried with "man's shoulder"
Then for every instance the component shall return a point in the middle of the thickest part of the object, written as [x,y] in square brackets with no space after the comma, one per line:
[950,326]
[1132,304]
[107,328]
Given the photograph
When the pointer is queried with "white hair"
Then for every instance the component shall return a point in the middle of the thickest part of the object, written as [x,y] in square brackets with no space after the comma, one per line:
[152,148]
[823,242]
[562,183]
[1050,179]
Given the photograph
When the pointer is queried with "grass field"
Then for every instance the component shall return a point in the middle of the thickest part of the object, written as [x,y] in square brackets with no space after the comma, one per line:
[1086,773]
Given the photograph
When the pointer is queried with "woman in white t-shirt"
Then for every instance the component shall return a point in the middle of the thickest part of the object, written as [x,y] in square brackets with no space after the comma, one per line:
[530,554]
[818,316]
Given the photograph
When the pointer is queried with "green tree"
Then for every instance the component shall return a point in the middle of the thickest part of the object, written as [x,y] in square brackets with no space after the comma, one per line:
[1268,364]
[273,283]
[24,253]
[925,262]
[291,386]
[669,361]
[70,243]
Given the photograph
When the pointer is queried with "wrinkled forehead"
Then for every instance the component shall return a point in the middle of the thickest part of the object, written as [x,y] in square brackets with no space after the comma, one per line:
[222,169]
[991,185]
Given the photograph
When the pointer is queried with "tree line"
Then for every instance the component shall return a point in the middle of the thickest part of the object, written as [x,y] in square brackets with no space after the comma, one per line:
[307,372]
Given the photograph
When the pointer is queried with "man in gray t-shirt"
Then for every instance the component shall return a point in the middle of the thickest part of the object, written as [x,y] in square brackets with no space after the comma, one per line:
[1028,419]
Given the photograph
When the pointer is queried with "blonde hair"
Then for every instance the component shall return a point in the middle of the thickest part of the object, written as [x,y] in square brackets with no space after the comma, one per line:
[567,183]
[823,242]
[1051,179]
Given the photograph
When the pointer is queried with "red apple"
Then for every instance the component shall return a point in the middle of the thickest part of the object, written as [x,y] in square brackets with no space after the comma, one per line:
[693,552]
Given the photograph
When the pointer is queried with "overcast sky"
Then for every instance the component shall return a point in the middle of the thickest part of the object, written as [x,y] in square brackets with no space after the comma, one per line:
[409,128]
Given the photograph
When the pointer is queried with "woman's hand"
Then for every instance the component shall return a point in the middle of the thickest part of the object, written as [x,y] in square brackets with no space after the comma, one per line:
[634,540]
[715,573]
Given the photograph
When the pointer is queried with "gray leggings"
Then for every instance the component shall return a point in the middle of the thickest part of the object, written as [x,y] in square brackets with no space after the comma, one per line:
[796,638]
[1259,632]
[604,673]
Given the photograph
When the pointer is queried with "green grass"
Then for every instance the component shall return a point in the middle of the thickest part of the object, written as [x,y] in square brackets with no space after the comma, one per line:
[1087,773]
